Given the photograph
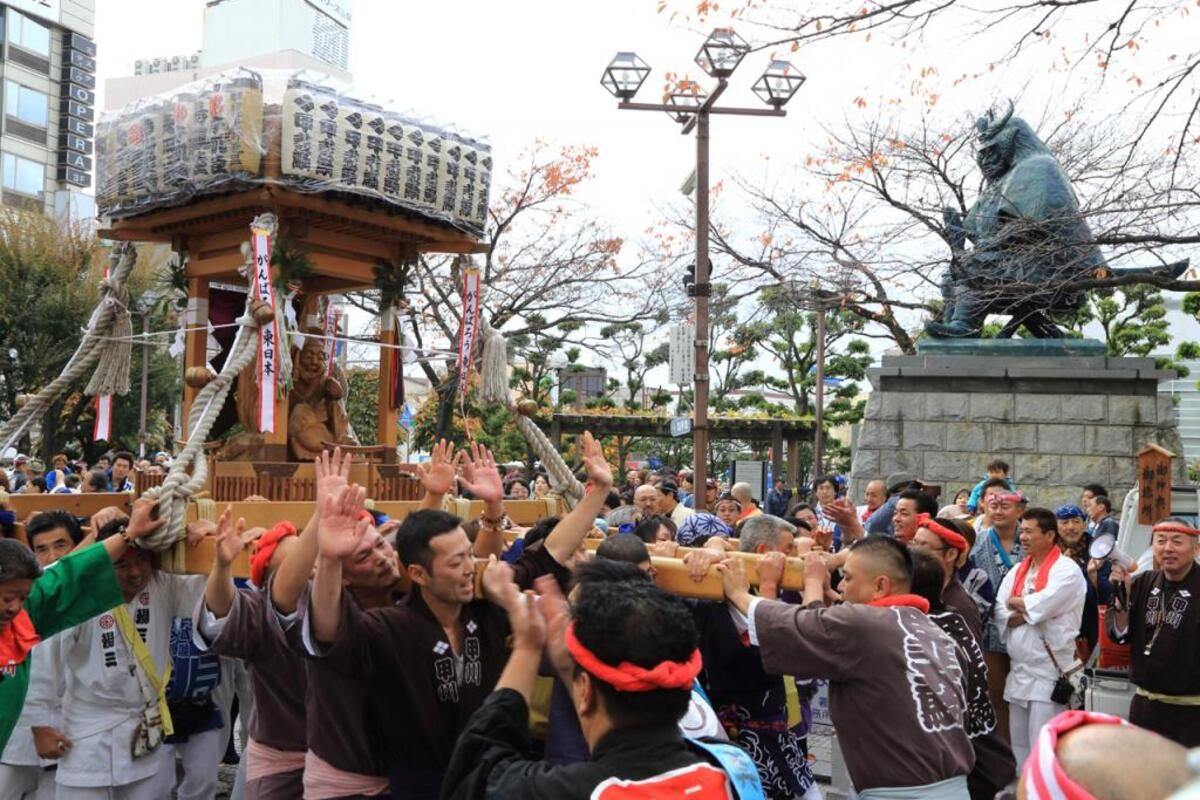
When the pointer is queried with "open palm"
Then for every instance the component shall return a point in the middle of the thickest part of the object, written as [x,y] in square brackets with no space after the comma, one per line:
[480,476]
[229,537]
[437,474]
[598,470]
[341,528]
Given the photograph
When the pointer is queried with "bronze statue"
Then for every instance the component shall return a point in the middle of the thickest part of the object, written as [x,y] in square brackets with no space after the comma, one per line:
[316,405]
[1030,240]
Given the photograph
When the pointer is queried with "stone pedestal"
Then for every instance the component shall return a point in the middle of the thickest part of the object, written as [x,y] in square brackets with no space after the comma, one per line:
[1059,421]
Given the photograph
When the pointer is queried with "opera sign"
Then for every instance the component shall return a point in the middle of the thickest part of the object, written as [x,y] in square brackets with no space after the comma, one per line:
[77,110]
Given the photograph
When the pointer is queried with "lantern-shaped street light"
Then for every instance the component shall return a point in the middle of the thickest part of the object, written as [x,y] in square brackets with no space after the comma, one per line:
[691,106]
[625,75]
[778,83]
[721,52]
[684,100]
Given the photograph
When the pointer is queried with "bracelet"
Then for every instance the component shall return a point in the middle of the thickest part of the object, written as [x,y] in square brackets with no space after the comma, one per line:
[493,523]
[125,537]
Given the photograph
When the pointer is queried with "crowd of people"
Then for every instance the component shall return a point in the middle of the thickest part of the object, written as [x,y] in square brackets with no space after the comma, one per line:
[432,657]
[113,472]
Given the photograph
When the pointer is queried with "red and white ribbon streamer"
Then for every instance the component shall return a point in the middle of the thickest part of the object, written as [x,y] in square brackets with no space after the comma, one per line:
[333,321]
[470,326]
[268,335]
[102,429]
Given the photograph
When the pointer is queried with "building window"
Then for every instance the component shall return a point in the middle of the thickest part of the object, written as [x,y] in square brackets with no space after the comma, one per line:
[24,176]
[28,105]
[27,34]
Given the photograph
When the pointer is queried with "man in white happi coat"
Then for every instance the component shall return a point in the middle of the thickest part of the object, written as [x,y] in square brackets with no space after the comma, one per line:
[106,691]
[1038,612]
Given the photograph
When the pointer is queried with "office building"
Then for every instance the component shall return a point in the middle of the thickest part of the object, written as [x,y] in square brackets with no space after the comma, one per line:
[48,67]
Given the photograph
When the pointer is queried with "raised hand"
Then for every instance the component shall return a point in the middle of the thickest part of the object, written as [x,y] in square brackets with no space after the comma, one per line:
[141,522]
[815,569]
[734,581]
[527,622]
[698,562]
[479,474]
[498,584]
[437,474]
[341,528]
[229,537]
[105,516]
[557,612]
[598,470]
[770,570]
[333,472]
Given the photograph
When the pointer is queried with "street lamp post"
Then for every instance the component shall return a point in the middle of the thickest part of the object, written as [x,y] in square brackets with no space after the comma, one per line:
[690,106]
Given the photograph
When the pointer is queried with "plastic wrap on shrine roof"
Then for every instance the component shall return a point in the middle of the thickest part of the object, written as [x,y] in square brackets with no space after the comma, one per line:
[228,133]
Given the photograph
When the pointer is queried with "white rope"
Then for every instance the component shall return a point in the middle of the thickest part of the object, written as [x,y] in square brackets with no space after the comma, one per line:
[493,370]
[178,487]
[134,337]
[113,299]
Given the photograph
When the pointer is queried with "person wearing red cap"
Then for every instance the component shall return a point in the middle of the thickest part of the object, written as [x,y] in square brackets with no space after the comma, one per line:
[628,653]
[1038,609]
[1158,614]
[941,538]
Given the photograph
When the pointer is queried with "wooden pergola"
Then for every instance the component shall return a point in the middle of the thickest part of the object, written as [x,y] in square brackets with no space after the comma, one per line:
[776,432]
[345,236]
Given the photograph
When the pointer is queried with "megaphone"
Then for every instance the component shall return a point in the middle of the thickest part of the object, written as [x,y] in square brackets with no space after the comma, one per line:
[1104,547]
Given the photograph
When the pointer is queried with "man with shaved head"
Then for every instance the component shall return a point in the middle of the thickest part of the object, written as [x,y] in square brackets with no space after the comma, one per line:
[895,678]
[1075,759]
[645,497]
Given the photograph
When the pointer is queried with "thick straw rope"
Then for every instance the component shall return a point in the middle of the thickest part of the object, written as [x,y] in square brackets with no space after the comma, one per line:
[106,320]
[178,487]
[494,373]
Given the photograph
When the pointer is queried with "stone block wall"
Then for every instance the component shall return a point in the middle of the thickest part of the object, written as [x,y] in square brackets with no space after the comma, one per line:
[1059,422]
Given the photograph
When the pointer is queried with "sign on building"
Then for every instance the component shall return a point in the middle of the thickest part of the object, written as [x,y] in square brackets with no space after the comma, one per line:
[682,353]
[77,110]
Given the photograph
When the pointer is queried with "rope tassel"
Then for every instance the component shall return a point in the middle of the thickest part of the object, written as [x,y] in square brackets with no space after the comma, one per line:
[113,300]
[179,486]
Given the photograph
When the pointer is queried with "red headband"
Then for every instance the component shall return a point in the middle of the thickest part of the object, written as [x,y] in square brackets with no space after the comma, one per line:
[264,548]
[627,677]
[1174,526]
[952,538]
[1006,497]
[1044,778]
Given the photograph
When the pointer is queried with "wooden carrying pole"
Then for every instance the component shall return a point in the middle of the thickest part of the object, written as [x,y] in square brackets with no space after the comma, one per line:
[671,574]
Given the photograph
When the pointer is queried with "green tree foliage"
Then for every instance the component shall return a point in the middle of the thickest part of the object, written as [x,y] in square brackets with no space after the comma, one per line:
[362,403]
[49,285]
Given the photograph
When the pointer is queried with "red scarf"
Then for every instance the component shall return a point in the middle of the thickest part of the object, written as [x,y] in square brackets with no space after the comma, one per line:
[17,640]
[1043,576]
[910,600]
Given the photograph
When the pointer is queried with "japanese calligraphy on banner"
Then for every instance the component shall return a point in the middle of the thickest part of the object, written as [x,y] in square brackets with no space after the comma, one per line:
[165,150]
[333,142]
[470,325]
[1154,484]
[243,128]
[331,329]
[268,335]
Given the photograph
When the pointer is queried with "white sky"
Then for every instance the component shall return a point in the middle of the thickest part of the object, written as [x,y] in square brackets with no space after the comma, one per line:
[530,69]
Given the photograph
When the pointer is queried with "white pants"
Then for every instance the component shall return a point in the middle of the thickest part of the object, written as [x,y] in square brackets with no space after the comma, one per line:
[1026,718]
[200,755]
[145,789]
[28,783]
